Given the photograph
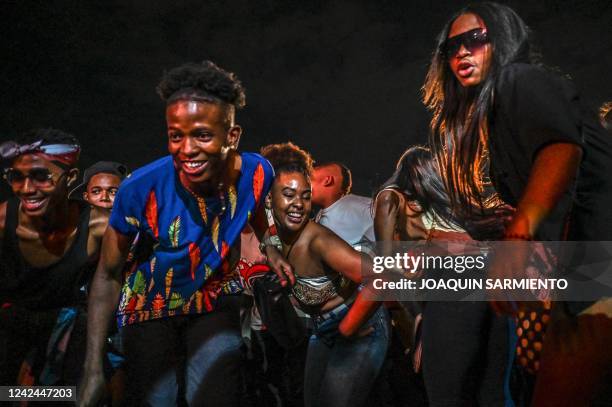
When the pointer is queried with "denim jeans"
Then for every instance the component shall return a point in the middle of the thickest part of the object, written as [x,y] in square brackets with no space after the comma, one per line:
[340,372]
[193,359]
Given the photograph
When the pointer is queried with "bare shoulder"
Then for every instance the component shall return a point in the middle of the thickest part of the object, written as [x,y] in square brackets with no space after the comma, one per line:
[388,201]
[321,238]
[315,230]
[2,218]
[388,197]
[98,221]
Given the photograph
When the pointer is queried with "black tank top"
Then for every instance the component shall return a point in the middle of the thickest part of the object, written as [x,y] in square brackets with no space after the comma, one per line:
[55,286]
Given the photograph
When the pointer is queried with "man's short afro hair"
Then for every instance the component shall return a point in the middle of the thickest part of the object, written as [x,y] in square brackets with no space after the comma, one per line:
[207,78]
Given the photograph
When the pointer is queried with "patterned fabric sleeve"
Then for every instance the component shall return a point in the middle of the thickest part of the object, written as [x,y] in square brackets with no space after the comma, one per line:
[126,216]
[267,173]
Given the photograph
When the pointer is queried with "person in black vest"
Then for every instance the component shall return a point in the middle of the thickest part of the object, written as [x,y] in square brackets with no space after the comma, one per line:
[49,246]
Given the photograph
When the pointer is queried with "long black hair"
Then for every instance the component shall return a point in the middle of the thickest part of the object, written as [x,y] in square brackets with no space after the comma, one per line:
[459,126]
[417,176]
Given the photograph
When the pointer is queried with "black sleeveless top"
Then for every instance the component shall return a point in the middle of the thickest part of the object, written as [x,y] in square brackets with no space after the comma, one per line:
[55,286]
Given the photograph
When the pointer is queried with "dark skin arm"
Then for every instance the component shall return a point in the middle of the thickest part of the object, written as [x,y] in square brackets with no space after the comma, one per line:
[279,265]
[339,255]
[385,219]
[552,174]
[103,299]
[385,223]
[361,311]
[98,222]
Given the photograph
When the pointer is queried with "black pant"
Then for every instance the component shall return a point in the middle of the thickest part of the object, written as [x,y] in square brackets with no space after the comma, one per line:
[23,330]
[465,354]
[274,375]
[193,359]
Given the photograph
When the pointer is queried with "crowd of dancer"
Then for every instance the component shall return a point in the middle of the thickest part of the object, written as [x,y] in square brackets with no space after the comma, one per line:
[205,278]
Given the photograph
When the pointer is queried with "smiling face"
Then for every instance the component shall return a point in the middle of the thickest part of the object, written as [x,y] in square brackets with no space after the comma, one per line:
[39,197]
[101,190]
[199,136]
[469,64]
[291,201]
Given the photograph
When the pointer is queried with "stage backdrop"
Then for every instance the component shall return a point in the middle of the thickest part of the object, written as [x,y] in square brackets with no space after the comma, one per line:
[339,78]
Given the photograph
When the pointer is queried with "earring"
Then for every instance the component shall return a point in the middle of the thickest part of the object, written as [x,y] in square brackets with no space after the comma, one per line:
[268,202]
[225,150]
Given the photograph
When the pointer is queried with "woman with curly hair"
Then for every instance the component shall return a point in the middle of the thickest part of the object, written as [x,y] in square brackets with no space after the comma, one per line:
[339,371]
[178,309]
[500,116]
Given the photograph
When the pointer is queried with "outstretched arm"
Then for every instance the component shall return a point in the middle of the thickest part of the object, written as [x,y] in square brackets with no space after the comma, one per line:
[103,299]
[358,315]
[385,222]
[279,265]
[554,170]
[340,256]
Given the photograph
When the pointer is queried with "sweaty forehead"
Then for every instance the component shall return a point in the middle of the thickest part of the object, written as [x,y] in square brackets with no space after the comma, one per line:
[191,111]
[465,22]
[27,161]
[293,180]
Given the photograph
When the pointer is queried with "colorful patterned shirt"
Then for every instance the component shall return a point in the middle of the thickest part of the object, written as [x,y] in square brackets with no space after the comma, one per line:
[189,266]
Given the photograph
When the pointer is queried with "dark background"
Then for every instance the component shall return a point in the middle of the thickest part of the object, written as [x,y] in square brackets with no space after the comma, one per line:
[339,78]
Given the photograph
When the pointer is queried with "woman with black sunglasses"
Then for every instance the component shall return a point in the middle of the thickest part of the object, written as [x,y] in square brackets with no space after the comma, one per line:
[499,115]
[49,246]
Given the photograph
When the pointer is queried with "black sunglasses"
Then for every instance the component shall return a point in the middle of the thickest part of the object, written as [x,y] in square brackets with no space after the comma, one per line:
[472,40]
[40,177]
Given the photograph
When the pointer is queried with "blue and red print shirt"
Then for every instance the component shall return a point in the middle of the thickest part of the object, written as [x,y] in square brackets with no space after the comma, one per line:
[188,268]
